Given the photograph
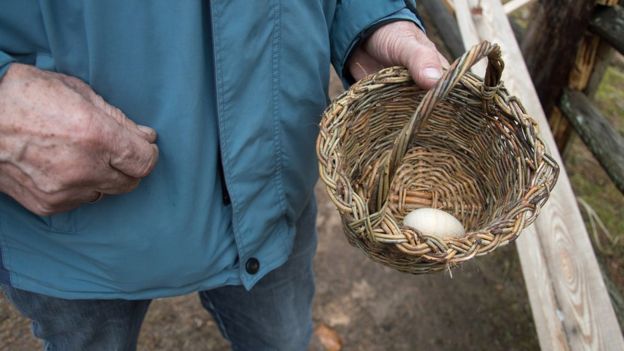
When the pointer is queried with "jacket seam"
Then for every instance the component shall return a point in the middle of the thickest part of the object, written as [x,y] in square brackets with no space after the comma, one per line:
[224,132]
[276,61]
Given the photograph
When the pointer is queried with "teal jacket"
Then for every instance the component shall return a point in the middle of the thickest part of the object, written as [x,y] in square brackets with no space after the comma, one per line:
[235,90]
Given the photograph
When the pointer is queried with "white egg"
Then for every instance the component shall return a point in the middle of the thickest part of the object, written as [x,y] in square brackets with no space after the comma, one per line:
[431,221]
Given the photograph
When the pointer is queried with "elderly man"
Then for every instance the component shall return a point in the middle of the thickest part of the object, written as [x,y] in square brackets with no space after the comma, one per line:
[98,215]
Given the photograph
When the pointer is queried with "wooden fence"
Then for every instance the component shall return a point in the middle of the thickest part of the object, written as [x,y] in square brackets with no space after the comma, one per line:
[569,301]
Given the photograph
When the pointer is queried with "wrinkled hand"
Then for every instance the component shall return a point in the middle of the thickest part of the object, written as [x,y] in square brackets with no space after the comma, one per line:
[62,145]
[399,43]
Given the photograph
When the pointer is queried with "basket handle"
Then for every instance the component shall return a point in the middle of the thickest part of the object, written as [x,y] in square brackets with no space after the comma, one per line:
[446,83]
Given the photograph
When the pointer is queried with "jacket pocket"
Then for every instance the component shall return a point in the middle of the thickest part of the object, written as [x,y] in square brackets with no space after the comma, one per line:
[62,222]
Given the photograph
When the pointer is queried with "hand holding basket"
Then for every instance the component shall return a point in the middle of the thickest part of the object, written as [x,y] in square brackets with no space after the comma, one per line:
[466,146]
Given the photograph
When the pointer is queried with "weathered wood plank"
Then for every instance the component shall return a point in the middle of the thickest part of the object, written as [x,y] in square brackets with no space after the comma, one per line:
[605,143]
[449,5]
[569,301]
[468,31]
[560,128]
[538,281]
[607,2]
[446,25]
[580,74]
[513,5]
[584,63]
[550,44]
[603,60]
[608,22]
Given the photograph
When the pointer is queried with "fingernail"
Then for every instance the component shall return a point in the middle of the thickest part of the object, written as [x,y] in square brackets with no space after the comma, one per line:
[432,73]
[146,130]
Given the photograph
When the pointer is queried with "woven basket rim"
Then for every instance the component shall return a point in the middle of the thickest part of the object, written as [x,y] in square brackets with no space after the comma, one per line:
[363,223]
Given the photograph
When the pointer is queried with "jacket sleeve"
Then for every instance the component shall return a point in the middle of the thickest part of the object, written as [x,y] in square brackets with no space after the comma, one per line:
[22,34]
[5,59]
[355,20]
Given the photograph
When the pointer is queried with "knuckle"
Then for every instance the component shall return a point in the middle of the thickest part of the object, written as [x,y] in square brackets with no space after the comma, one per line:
[53,201]
[116,113]
[51,187]
[131,185]
[44,209]
[72,81]
[149,163]
[87,130]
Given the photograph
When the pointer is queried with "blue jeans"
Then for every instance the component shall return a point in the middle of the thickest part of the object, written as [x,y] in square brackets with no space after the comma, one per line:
[275,315]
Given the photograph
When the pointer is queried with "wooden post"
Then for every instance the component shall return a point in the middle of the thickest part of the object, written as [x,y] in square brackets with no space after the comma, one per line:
[609,24]
[444,21]
[607,2]
[606,143]
[603,60]
[513,5]
[550,44]
[569,300]
[580,74]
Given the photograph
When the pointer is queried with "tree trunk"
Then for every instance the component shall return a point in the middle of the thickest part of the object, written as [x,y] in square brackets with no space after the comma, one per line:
[550,44]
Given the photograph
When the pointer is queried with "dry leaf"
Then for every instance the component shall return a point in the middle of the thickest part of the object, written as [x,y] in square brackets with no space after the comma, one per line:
[328,338]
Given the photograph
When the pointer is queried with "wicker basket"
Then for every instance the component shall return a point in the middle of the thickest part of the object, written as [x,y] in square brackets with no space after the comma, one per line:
[466,147]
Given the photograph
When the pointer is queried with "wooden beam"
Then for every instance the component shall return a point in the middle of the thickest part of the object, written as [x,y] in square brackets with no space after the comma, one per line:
[607,2]
[550,45]
[569,301]
[580,75]
[446,25]
[468,31]
[513,5]
[584,63]
[449,5]
[603,60]
[560,128]
[605,143]
[608,23]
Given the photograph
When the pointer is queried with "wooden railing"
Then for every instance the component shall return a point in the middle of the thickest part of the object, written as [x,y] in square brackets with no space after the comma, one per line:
[598,32]
[570,304]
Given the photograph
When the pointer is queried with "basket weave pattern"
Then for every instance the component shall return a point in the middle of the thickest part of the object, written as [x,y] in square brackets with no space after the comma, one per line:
[466,147]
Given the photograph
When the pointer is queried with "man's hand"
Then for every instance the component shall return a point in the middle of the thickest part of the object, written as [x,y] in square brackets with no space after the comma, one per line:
[399,43]
[62,145]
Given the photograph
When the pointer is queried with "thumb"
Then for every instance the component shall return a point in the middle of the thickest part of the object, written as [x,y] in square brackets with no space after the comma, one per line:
[128,153]
[423,63]
[405,44]
[87,92]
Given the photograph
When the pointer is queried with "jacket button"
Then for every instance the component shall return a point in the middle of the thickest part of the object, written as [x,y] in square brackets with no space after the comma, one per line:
[252,266]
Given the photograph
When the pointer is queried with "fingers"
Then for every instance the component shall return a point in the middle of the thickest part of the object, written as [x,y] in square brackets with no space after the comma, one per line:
[132,151]
[131,155]
[443,61]
[14,185]
[22,189]
[362,64]
[116,183]
[131,147]
[87,92]
[145,132]
[403,43]
[78,145]
[423,63]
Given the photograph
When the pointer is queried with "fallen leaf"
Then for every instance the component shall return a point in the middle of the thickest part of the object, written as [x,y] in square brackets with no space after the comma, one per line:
[328,338]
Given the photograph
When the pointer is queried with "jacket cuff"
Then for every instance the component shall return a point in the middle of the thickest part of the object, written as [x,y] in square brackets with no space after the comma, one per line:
[349,30]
